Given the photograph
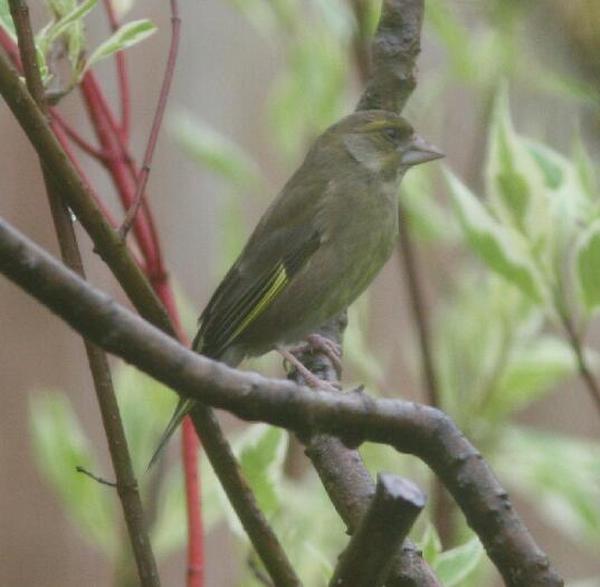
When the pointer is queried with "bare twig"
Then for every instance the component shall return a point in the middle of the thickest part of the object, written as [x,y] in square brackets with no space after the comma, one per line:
[142,180]
[369,556]
[420,430]
[97,479]
[113,426]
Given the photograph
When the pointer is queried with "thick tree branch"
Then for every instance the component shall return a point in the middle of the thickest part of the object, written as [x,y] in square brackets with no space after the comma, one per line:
[411,428]
[394,52]
[346,478]
[127,487]
[368,558]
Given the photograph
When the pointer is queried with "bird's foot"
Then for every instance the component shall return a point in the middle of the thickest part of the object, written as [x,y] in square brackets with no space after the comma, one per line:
[310,378]
[332,350]
[316,343]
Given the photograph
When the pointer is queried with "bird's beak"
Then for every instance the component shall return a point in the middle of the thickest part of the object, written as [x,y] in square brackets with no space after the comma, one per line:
[420,151]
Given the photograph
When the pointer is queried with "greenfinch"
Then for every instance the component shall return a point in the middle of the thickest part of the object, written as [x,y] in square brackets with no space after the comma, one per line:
[317,247]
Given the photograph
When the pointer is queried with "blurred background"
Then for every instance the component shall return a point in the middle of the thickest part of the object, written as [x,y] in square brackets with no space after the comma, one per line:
[256,80]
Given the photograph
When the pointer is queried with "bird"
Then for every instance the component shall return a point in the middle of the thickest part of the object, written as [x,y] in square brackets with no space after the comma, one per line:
[316,248]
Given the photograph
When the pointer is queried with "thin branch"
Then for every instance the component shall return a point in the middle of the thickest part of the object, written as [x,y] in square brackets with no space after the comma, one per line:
[418,305]
[113,426]
[585,372]
[122,75]
[84,145]
[369,556]
[411,428]
[122,171]
[142,180]
[97,479]
[79,198]
[242,499]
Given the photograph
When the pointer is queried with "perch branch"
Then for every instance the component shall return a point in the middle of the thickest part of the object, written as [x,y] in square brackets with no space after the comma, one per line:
[423,431]
[346,479]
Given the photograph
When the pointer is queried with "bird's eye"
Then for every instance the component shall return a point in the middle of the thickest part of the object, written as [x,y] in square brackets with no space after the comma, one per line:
[392,133]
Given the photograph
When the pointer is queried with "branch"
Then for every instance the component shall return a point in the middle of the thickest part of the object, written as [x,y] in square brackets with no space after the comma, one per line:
[411,428]
[142,179]
[126,485]
[122,76]
[242,499]
[403,21]
[79,198]
[347,481]
[368,558]
[395,49]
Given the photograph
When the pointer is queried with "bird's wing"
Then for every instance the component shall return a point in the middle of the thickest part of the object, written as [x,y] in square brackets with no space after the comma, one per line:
[257,278]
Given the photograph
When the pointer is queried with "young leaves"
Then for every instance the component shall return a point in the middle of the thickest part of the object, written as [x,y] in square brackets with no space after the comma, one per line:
[453,566]
[501,247]
[129,34]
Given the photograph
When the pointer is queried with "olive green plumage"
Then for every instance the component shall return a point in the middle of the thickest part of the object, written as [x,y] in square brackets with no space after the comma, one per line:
[317,247]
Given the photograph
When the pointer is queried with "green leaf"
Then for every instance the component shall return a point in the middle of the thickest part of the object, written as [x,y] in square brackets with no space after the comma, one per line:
[261,451]
[588,266]
[215,152]
[455,565]
[430,544]
[129,34]
[63,24]
[427,219]
[535,367]
[6,21]
[59,446]
[515,182]
[503,249]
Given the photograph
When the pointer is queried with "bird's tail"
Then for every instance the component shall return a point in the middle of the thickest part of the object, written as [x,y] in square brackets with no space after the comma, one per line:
[183,408]
[231,357]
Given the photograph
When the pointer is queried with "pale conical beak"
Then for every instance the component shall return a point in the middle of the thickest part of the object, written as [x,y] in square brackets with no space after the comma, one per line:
[420,151]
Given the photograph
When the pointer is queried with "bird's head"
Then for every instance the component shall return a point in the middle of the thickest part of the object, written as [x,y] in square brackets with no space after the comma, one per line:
[383,142]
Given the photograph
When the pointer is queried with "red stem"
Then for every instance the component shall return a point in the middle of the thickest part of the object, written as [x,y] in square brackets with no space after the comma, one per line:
[124,174]
[157,122]
[122,77]
[84,145]
[11,49]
